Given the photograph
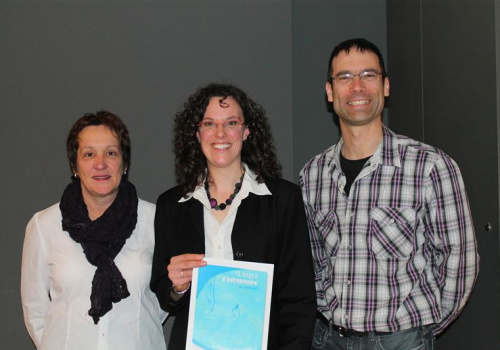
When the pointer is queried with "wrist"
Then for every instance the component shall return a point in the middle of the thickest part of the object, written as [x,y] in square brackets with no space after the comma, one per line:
[180,292]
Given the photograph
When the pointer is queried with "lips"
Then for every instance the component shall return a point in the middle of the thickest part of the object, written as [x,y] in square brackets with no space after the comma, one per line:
[101,177]
[358,102]
[221,145]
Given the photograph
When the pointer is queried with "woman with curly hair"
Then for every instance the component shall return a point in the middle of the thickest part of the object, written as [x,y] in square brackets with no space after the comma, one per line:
[231,203]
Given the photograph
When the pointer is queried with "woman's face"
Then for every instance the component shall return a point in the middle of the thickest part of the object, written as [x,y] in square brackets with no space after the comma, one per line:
[222,144]
[99,163]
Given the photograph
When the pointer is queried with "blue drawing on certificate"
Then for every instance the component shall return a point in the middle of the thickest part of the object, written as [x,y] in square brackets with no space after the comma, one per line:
[230,308]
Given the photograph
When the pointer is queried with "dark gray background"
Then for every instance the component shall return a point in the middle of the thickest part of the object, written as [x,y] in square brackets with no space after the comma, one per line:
[142,60]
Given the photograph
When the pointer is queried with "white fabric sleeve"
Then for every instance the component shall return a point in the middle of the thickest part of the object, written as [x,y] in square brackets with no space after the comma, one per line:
[34,281]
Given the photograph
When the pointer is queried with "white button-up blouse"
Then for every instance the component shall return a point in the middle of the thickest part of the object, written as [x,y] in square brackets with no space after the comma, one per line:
[56,284]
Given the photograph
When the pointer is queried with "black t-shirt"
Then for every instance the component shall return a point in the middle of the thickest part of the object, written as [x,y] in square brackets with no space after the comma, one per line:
[351,169]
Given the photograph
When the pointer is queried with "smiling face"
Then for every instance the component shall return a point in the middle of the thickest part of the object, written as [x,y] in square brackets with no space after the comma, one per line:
[99,164]
[358,103]
[222,146]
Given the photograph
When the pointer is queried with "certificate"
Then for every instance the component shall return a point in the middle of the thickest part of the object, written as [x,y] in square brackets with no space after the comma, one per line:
[229,306]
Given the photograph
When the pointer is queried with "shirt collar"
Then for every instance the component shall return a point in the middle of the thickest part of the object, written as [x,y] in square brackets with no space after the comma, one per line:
[249,185]
[387,152]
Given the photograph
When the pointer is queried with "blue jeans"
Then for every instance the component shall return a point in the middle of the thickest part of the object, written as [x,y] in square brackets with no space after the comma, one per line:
[328,338]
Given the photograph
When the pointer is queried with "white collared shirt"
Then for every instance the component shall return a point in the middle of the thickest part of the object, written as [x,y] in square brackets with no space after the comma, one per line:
[56,283]
[218,235]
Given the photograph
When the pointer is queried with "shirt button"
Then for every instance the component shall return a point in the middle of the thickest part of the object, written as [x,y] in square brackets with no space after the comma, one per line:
[239,254]
[392,221]
[348,282]
[346,317]
[349,248]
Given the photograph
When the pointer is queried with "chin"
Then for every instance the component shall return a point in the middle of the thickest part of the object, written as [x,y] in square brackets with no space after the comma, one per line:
[106,192]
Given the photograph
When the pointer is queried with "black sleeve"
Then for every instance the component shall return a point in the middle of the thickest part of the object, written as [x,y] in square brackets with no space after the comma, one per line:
[295,277]
[164,249]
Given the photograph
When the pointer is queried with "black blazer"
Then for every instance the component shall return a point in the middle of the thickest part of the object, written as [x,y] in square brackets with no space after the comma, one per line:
[269,229]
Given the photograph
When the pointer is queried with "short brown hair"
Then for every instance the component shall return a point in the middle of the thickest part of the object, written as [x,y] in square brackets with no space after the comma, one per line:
[108,119]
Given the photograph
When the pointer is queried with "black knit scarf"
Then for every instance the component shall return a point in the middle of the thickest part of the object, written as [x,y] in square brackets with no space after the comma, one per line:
[101,240]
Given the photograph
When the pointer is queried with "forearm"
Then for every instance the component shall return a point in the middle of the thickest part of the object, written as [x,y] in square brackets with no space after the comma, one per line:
[295,281]
[459,276]
[34,283]
[451,219]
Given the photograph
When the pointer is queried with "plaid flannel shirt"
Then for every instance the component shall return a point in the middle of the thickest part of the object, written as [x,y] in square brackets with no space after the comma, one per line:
[399,251]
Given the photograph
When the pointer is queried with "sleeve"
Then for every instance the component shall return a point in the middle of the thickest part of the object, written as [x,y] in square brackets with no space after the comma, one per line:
[146,216]
[453,231]
[34,281]
[317,248]
[295,278]
[317,244]
[163,251]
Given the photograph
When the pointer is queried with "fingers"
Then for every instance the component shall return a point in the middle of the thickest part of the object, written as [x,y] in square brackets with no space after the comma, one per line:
[180,269]
[184,258]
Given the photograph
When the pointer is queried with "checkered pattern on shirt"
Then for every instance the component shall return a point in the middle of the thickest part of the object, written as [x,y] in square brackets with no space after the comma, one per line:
[400,251]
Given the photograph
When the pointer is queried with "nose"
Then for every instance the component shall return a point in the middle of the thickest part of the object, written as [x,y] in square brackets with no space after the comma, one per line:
[357,84]
[220,129]
[100,162]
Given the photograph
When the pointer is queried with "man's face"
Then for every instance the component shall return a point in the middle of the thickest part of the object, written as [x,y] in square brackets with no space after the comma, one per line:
[358,102]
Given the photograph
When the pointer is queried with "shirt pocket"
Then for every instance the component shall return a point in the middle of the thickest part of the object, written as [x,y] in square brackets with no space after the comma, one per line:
[392,232]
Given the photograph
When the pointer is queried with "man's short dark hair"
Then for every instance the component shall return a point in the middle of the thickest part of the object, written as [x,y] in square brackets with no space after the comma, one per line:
[359,44]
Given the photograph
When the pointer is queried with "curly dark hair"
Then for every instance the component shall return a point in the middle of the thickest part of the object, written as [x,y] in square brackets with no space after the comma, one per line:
[108,119]
[258,150]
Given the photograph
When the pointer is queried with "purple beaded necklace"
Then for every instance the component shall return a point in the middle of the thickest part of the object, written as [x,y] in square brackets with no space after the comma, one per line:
[222,206]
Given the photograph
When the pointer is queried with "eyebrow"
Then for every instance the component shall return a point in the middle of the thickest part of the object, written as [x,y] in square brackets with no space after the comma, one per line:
[363,70]
[226,118]
[92,147]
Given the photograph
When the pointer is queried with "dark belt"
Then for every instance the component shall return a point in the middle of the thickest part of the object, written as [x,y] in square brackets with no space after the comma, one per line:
[344,332]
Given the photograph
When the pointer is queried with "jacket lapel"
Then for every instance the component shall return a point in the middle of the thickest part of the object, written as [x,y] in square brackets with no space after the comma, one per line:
[195,212]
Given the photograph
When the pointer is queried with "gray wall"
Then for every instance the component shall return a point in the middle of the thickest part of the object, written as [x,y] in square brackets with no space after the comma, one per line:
[140,60]
[317,26]
[59,60]
[443,63]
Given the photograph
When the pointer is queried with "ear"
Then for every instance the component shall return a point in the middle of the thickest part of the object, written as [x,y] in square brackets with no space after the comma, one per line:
[198,136]
[246,132]
[329,91]
[386,87]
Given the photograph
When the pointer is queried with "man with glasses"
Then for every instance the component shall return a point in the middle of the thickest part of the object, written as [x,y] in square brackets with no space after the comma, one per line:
[392,238]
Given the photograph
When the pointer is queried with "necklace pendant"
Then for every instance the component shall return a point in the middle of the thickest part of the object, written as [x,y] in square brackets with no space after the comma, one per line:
[213,202]
[222,206]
